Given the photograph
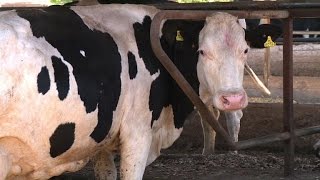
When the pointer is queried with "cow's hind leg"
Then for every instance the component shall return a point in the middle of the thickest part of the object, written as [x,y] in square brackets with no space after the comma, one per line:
[104,167]
[5,164]
[316,148]
[233,124]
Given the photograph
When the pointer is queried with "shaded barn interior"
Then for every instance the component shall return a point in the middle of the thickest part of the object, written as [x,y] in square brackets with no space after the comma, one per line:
[306,74]
[264,113]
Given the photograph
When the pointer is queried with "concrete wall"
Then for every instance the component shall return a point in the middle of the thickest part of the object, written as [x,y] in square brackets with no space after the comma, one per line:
[306,58]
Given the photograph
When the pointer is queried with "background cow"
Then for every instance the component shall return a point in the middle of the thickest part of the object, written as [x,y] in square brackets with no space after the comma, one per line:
[82,83]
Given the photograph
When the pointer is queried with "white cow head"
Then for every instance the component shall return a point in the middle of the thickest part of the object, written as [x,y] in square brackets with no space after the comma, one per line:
[222,55]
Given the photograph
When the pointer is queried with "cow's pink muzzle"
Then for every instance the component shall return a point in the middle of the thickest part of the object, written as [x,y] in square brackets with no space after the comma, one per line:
[234,101]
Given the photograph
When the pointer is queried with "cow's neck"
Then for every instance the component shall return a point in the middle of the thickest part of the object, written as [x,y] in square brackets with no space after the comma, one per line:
[164,91]
[183,52]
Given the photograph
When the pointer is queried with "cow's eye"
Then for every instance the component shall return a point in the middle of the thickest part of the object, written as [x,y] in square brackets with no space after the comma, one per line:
[246,51]
[201,52]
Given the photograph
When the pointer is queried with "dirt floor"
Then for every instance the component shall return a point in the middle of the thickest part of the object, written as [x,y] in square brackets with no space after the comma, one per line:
[224,165]
[244,165]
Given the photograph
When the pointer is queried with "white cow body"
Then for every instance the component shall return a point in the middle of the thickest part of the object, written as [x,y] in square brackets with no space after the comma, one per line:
[26,126]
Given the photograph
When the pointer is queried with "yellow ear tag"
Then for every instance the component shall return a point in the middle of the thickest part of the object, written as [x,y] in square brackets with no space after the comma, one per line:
[269,43]
[179,37]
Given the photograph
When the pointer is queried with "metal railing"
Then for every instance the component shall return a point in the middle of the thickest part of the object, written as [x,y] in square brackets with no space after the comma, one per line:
[254,10]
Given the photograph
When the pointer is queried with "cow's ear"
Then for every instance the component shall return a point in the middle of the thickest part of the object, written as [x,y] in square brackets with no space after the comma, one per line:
[258,36]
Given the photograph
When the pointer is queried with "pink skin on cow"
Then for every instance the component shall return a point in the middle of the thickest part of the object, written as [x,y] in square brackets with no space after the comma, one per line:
[233,101]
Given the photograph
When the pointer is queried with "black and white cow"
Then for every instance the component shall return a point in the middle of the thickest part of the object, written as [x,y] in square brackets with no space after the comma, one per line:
[82,83]
[190,31]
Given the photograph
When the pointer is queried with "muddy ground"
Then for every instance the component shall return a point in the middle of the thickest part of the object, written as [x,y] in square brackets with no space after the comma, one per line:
[223,165]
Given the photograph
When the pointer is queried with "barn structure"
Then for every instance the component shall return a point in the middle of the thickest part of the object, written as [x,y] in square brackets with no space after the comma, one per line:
[290,70]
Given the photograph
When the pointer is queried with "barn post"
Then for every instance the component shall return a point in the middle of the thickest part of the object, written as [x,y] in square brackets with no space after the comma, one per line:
[267,63]
[288,121]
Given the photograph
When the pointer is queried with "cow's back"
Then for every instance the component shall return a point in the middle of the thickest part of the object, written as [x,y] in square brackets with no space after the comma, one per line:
[149,96]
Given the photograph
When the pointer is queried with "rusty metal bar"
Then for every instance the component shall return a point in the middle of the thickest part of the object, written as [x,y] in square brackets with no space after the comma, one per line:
[252,5]
[288,121]
[305,13]
[201,15]
[275,137]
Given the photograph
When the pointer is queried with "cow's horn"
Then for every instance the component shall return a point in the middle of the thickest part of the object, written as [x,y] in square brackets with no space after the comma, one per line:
[257,80]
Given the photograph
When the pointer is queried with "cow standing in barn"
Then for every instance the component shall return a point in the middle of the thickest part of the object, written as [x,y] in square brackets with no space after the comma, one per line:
[185,50]
[82,83]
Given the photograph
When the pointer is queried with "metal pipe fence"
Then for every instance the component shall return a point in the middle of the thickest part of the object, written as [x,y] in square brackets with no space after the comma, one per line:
[284,11]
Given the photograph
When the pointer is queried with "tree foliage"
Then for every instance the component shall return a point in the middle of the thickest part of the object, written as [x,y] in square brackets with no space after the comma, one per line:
[60,2]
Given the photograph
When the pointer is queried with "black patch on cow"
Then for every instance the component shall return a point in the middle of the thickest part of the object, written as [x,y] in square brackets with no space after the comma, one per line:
[142,35]
[97,74]
[62,139]
[164,90]
[61,77]
[185,57]
[132,65]
[43,80]
[159,95]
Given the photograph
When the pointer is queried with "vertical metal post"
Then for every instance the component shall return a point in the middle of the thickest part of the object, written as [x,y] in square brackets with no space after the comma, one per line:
[266,66]
[288,121]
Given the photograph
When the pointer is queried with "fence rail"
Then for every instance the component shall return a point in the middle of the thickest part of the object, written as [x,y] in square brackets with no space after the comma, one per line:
[284,11]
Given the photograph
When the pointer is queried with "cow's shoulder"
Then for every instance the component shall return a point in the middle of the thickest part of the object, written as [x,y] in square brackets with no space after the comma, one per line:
[117,19]
[92,54]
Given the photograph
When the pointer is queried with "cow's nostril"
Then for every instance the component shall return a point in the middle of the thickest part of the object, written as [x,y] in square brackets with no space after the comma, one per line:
[232,101]
[225,100]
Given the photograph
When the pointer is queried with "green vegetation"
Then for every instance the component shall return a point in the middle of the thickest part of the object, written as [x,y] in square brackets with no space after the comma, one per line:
[60,2]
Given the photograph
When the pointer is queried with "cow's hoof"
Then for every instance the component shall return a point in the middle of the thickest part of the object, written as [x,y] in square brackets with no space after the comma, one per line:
[317,152]
[206,152]
[233,152]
